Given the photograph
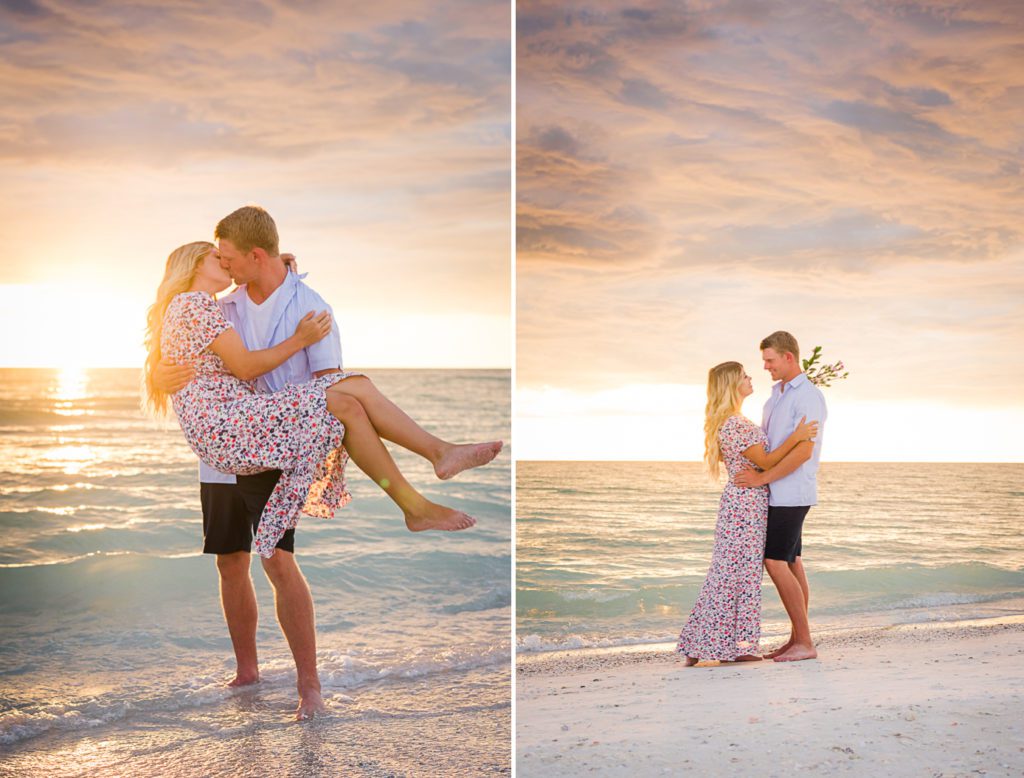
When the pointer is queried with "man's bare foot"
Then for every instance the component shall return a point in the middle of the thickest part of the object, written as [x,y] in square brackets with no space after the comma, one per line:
[747,658]
[310,704]
[434,516]
[796,652]
[247,678]
[463,457]
[781,649]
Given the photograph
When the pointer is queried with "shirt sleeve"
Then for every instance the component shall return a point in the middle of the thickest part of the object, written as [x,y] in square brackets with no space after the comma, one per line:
[812,405]
[737,435]
[325,354]
[205,321]
[749,434]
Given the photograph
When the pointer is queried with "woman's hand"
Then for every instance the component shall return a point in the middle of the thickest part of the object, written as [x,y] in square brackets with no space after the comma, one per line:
[313,328]
[806,430]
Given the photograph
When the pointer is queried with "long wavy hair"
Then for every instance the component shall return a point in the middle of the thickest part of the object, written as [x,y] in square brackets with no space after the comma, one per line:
[178,274]
[723,401]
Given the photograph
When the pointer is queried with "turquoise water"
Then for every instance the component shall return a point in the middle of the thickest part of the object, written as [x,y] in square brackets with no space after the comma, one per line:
[110,621]
[614,553]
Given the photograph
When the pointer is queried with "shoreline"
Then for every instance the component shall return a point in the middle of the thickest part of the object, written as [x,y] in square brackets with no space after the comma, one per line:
[584,655]
[939,698]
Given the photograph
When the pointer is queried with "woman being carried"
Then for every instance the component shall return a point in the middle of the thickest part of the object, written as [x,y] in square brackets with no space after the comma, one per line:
[307,431]
[725,623]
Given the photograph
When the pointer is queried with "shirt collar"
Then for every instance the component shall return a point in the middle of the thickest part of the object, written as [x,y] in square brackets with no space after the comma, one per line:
[288,287]
[800,380]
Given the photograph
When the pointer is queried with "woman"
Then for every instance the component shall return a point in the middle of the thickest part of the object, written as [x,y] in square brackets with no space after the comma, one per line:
[725,623]
[307,431]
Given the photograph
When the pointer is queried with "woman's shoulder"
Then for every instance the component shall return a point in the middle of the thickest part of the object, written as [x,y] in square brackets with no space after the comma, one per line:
[191,301]
[740,426]
[737,420]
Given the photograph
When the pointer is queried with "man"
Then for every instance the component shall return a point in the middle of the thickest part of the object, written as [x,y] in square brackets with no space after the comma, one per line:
[793,485]
[264,309]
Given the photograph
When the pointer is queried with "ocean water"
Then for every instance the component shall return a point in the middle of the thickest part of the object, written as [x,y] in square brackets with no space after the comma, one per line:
[113,649]
[614,553]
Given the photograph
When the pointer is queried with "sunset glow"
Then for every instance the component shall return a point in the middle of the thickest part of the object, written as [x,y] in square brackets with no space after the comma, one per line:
[693,177]
[378,137]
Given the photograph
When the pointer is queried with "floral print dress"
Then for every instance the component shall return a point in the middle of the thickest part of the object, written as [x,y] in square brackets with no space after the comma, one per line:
[726,621]
[233,428]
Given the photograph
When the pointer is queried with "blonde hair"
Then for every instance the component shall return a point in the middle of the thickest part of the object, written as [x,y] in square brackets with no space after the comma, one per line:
[723,401]
[249,227]
[781,342]
[178,274]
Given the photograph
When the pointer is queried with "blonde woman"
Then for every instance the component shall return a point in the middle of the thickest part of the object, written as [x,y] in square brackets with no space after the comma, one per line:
[307,431]
[725,623]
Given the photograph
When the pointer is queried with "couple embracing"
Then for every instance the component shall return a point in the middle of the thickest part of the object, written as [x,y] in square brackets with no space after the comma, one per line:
[762,510]
[256,382]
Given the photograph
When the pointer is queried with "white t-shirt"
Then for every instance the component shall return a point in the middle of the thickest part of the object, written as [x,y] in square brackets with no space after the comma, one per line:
[258,318]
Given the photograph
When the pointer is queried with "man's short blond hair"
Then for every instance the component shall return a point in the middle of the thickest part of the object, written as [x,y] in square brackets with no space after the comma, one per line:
[249,227]
[781,342]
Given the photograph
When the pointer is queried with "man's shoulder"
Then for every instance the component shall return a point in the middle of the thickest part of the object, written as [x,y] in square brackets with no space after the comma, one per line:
[304,293]
[811,393]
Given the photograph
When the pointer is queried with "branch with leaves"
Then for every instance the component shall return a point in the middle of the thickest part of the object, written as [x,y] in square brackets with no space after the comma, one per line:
[820,374]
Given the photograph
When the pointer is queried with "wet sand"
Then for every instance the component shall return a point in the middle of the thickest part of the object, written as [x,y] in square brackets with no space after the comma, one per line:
[394,729]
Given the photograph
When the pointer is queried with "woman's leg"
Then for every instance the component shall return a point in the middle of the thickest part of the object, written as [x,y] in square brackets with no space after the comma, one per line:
[367,451]
[394,424]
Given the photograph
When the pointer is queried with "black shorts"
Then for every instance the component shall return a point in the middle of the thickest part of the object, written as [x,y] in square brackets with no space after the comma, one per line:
[785,532]
[231,513]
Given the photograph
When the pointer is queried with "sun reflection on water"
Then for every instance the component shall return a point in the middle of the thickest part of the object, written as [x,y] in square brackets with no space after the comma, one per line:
[72,458]
[72,383]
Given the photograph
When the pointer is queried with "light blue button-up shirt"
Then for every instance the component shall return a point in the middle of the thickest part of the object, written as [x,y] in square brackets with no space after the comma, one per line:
[782,413]
[295,301]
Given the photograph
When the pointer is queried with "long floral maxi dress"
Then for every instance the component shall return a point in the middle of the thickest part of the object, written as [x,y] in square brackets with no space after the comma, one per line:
[235,429]
[726,621]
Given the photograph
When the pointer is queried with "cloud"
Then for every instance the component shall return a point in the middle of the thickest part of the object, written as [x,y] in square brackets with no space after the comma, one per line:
[378,135]
[276,79]
[694,175]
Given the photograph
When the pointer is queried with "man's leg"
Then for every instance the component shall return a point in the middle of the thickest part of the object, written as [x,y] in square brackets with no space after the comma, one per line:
[394,424]
[238,598]
[227,533]
[294,605]
[797,568]
[793,599]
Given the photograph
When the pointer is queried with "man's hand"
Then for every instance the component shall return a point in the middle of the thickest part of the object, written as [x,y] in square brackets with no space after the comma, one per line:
[290,262]
[749,478]
[169,377]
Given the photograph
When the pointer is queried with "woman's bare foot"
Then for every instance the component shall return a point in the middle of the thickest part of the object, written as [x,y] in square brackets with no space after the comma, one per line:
[690,661]
[247,678]
[434,516]
[796,652]
[463,457]
[310,704]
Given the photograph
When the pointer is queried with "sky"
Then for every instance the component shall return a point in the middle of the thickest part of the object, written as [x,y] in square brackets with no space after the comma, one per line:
[692,176]
[378,136]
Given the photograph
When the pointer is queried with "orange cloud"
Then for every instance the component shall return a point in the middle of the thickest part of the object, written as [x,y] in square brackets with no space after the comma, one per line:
[692,176]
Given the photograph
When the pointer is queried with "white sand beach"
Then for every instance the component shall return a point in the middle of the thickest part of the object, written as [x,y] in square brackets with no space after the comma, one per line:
[920,700]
